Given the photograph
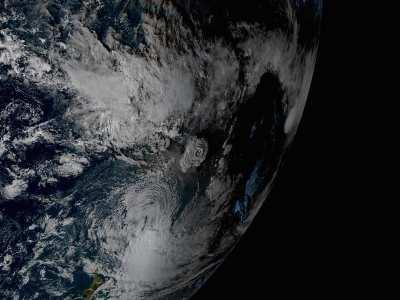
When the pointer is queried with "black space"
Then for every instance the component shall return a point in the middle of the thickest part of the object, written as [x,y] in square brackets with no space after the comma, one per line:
[300,244]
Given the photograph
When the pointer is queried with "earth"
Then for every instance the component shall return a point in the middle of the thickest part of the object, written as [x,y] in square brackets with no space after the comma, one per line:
[139,138]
